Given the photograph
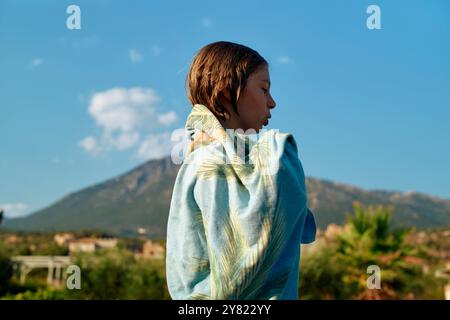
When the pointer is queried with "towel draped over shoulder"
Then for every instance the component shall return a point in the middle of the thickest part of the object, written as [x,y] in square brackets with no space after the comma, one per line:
[238,215]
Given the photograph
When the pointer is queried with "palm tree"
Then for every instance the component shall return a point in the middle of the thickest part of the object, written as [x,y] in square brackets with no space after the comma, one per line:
[371,225]
[369,239]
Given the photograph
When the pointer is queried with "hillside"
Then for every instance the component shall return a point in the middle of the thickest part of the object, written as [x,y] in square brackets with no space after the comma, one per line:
[140,198]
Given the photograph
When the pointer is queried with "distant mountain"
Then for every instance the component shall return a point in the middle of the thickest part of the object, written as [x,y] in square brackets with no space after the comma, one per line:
[141,197]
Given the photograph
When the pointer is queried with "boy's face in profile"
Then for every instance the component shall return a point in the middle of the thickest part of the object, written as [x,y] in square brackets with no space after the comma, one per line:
[254,103]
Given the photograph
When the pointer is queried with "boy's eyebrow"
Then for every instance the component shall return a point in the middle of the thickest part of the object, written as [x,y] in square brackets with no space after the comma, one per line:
[265,80]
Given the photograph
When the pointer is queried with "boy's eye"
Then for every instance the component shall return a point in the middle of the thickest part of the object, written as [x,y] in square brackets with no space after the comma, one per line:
[265,90]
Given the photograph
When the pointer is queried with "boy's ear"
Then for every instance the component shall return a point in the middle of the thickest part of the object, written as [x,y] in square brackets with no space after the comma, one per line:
[224,98]
[226,94]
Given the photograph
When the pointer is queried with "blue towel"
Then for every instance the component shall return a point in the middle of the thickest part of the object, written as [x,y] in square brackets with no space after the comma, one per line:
[238,215]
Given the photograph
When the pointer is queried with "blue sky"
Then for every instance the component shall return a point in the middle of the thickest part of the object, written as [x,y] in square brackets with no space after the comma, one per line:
[369,108]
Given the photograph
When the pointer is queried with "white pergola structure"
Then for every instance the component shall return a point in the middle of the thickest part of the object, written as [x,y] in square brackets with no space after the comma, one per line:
[445,274]
[54,264]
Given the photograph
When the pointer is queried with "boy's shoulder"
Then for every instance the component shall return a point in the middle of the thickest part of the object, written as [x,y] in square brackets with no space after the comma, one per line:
[271,148]
[279,142]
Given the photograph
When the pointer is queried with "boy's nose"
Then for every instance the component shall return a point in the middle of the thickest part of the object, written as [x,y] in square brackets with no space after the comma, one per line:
[271,103]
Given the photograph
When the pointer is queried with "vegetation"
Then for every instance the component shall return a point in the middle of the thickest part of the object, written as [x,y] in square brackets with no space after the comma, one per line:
[337,269]
[335,266]
[116,274]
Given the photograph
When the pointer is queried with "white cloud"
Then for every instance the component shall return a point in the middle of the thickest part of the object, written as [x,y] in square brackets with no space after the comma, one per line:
[167,118]
[123,109]
[124,115]
[207,22]
[134,56]
[284,60]
[89,144]
[155,146]
[36,62]
[14,210]
[126,140]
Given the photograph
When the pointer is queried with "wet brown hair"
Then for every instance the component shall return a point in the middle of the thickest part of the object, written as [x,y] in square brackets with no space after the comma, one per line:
[220,69]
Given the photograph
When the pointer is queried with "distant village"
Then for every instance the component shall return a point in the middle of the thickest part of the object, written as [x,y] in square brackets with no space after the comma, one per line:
[150,249]
[74,244]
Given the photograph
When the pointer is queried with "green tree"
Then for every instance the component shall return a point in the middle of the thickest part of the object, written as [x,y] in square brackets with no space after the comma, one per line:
[340,270]
[116,274]
[6,272]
